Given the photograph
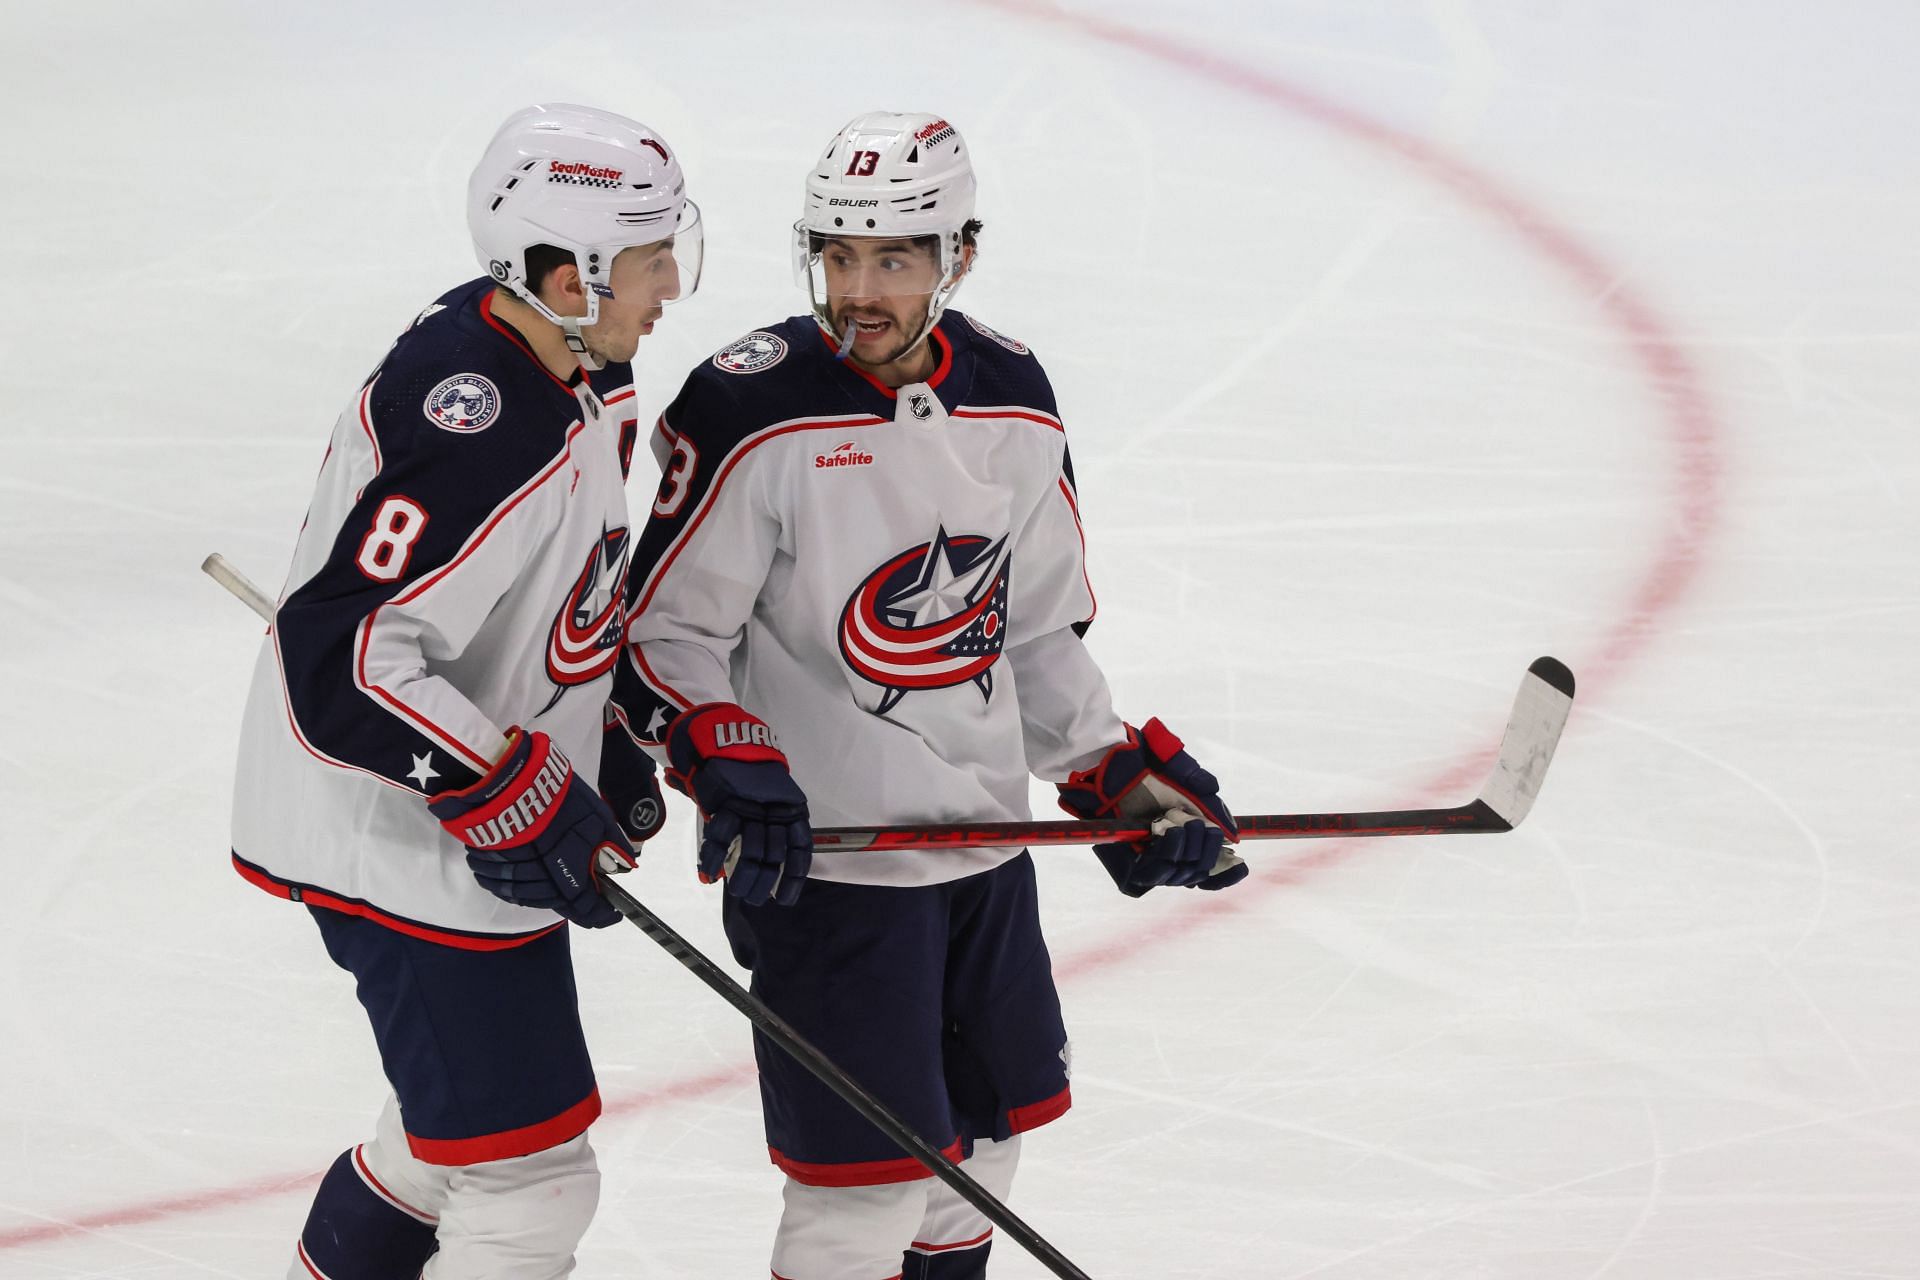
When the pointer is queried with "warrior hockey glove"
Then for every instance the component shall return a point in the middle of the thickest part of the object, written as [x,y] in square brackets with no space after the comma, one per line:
[757,836]
[630,784]
[536,834]
[1151,776]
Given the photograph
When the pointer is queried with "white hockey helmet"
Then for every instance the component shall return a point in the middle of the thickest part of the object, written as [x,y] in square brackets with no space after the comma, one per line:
[585,181]
[888,174]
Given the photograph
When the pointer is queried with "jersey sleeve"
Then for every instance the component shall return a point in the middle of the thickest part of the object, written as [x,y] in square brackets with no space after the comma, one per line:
[1051,589]
[415,534]
[701,561]
[1066,709]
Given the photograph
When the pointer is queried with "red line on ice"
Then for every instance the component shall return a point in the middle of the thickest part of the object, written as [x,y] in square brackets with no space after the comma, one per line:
[1693,434]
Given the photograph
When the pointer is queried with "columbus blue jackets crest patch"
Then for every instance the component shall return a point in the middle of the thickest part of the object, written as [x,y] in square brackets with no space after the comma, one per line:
[932,617]
[1012,344]
[757,351]
[465,403]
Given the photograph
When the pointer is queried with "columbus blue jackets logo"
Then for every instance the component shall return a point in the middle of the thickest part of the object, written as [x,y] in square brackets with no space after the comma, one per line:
[932,617]
[466,403]
[584,642]
[751,354]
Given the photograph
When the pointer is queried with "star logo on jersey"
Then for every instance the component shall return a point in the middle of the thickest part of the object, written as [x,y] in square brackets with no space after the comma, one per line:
[584,642]
[932,617]
[423,770]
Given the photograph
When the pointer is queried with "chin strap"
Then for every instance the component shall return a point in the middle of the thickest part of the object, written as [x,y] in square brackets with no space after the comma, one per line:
[576,343]
[846,343]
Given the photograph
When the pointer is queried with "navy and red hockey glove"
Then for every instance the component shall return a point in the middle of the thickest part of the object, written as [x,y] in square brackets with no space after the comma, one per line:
[1151,776]
[537,834]
[630,784]
[757,836]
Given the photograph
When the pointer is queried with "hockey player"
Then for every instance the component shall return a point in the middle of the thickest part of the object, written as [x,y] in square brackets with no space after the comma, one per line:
[431,700]
[860,599]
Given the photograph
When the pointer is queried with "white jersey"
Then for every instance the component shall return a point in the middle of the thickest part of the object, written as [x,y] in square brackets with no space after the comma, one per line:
[893,580]
[462,570]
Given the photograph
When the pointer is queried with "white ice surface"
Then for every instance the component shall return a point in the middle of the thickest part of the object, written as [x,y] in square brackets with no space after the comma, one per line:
[1600,340]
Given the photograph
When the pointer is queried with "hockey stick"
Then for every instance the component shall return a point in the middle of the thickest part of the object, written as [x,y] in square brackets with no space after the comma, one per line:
[766,1021]
[1533,731]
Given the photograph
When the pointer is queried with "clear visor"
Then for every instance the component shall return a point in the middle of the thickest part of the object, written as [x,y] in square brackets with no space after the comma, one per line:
[689,252]
[836,269]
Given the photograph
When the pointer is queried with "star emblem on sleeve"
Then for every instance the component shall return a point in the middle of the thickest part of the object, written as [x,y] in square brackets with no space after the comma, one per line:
[657,723]
[423,770]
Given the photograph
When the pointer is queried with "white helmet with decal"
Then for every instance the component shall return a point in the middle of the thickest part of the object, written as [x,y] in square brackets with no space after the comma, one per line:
[585,181]
[892,175]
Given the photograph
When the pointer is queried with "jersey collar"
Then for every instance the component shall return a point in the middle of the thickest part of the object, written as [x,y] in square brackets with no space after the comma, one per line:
[513,335]
[939,375]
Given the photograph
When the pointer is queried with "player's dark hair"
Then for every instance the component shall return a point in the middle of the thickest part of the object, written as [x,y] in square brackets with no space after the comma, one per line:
[969,236]
[542,259]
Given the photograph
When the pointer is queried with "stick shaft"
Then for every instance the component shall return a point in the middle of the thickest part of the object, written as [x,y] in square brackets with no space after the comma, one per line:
[1463,820]
[216,567]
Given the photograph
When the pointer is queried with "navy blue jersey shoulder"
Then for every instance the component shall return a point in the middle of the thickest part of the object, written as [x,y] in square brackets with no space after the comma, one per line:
[1003,371]
[462,392]
[783,371]
[460,417]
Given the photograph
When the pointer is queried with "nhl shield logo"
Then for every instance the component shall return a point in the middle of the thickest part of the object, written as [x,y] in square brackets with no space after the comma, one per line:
[920,405]
[465,403]
[757,351]
[932,617]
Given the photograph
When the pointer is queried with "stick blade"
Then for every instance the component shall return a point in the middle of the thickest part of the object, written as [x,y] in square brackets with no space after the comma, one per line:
[1554,672]
[1540,712]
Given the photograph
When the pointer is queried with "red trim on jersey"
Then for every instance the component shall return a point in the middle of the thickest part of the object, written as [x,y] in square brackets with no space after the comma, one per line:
[512,335]
[863,1173]
[660,427]
[366,425]
[1030,415]
[309,895]
[1066,491]
[706,505]
[733,459]
[640,661]
[940,371]
[286,699]
[617,397]
[475,759]
[1032,1116]
[300,1251]
[921,1246]
[617,716]
[524,1141]
[379,1188]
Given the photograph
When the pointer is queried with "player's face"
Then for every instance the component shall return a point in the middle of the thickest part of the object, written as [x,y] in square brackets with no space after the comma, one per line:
[644,278]
[883,286]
